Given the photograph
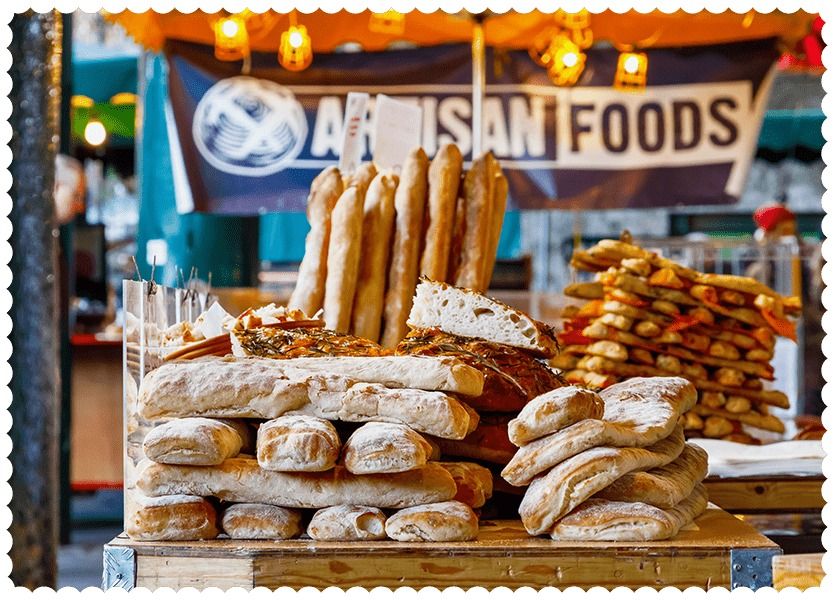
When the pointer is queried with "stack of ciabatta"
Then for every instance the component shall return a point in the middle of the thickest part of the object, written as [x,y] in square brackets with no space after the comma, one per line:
[506,346]
[612,466]
[204,455]
[647,315]
[372,234]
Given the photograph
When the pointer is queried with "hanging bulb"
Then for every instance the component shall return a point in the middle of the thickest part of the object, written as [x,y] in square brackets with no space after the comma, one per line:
[577,26]
[566,61]
[231,38]
[631,74]
[295,51]
[390,22]
[95,132]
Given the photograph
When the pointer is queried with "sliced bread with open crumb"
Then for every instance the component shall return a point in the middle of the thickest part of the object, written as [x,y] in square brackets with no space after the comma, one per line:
[463,312]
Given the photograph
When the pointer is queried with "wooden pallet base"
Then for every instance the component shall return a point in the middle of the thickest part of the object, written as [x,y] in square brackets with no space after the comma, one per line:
[719,551]
[767,494]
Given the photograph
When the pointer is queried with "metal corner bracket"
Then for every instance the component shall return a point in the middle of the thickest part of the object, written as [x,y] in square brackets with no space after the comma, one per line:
[119,568]
[751,567]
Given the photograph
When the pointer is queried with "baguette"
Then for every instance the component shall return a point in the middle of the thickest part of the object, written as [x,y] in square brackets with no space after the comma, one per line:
[348,522]
[242,480]
[385,448]
[298,443]
[192,441]
[459,227]
[498,206]
[444,181]
[361,178]
[478,194]
[440,522]
[377,225]
[172,517]
[310,285]
[343,260]
[249,521]
[409,202]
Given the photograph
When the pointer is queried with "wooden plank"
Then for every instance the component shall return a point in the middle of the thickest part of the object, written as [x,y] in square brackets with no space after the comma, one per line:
[789,494]
[801,571]
[504,554]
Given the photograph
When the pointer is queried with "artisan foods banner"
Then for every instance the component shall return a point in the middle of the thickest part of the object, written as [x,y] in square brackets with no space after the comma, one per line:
[254,143]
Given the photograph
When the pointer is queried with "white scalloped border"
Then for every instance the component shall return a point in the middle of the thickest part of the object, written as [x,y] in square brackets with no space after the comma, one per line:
[825,7]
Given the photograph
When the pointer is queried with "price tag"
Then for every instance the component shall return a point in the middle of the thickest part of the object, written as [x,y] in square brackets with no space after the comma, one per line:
[397,128]
[352,131]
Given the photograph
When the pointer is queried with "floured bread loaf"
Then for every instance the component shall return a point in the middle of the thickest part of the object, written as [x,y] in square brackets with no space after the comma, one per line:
[298,443]
[563,488]
[553,411]
[637,412]
[192,441]
[261,522]
[385,448]
[348,522]
[434,413]
[439,522]
[466,313]
[173,517]
[474,482]
[234,388]
[598,520]
[242,480]
[665,486]
[441,373]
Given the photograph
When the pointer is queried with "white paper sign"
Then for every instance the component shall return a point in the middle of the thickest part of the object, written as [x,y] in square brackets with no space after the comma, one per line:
[397,129]
[352,142]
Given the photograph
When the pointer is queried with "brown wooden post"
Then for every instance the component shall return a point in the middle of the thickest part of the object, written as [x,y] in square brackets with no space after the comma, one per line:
[35,97]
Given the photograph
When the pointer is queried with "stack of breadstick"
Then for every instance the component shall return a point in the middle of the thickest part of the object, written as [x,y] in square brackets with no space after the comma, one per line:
[608,467]
[372,234]
[646,316]
[251,447]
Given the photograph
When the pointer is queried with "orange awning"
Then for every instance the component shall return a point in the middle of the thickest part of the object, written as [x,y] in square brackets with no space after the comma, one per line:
[509,30]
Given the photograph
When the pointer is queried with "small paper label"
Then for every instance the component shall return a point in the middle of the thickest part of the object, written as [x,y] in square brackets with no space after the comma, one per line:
[352,131]
[397,127]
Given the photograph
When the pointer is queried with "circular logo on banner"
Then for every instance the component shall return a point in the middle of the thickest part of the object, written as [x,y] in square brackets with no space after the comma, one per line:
[248,126]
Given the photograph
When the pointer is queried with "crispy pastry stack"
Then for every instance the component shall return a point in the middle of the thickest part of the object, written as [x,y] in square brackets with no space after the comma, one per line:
[265,439]
[373,234]
[608,467]
[508,347]
[647,316]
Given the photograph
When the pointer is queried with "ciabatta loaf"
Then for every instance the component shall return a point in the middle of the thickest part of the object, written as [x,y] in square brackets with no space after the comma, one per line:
[474,482]
[348,522]
[385,448]
[298,443]
[440,522]
[242,480]
[192,441]
[598,520]
[558,492]
[466,313]
[173,517]
[553,411]
[261,522]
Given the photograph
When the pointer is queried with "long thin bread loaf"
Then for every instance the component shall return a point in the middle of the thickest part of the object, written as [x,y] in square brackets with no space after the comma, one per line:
[377,226]
[409,202]
[498,206]
[361,178]
[444,181]
[310,285]
[343,260]
[478,194]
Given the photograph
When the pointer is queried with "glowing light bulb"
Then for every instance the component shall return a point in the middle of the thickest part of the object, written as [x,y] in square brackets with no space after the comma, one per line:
[231,38]
[570,59]
[631,64]
[229,27]
[296,39]
[94,132]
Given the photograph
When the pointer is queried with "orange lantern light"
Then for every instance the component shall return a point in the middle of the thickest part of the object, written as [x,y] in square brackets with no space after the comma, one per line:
[631,73]
[566,61]
[295,50]
[578,27]
[390,22]
[231,38]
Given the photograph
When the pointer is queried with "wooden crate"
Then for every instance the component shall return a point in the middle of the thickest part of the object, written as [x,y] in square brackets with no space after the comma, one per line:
[719,551]
[767,494]
[801,571]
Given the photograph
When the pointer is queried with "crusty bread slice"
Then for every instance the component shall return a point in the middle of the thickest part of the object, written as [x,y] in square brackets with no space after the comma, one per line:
[463,312]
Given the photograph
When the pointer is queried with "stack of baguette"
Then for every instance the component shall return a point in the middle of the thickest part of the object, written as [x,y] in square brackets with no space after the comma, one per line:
[372,234]
[507,346]
[260,439]
[608,467]
[646,315]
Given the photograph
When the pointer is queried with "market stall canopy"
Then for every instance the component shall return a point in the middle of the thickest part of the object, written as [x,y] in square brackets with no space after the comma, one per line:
[509,30]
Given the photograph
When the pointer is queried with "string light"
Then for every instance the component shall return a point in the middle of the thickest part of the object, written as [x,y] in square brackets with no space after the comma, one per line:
[231,38]
[577,26]
[631,74]
[390,22]
[295,50]
[123,99]
[79,101]
[95,132]
[566,61]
